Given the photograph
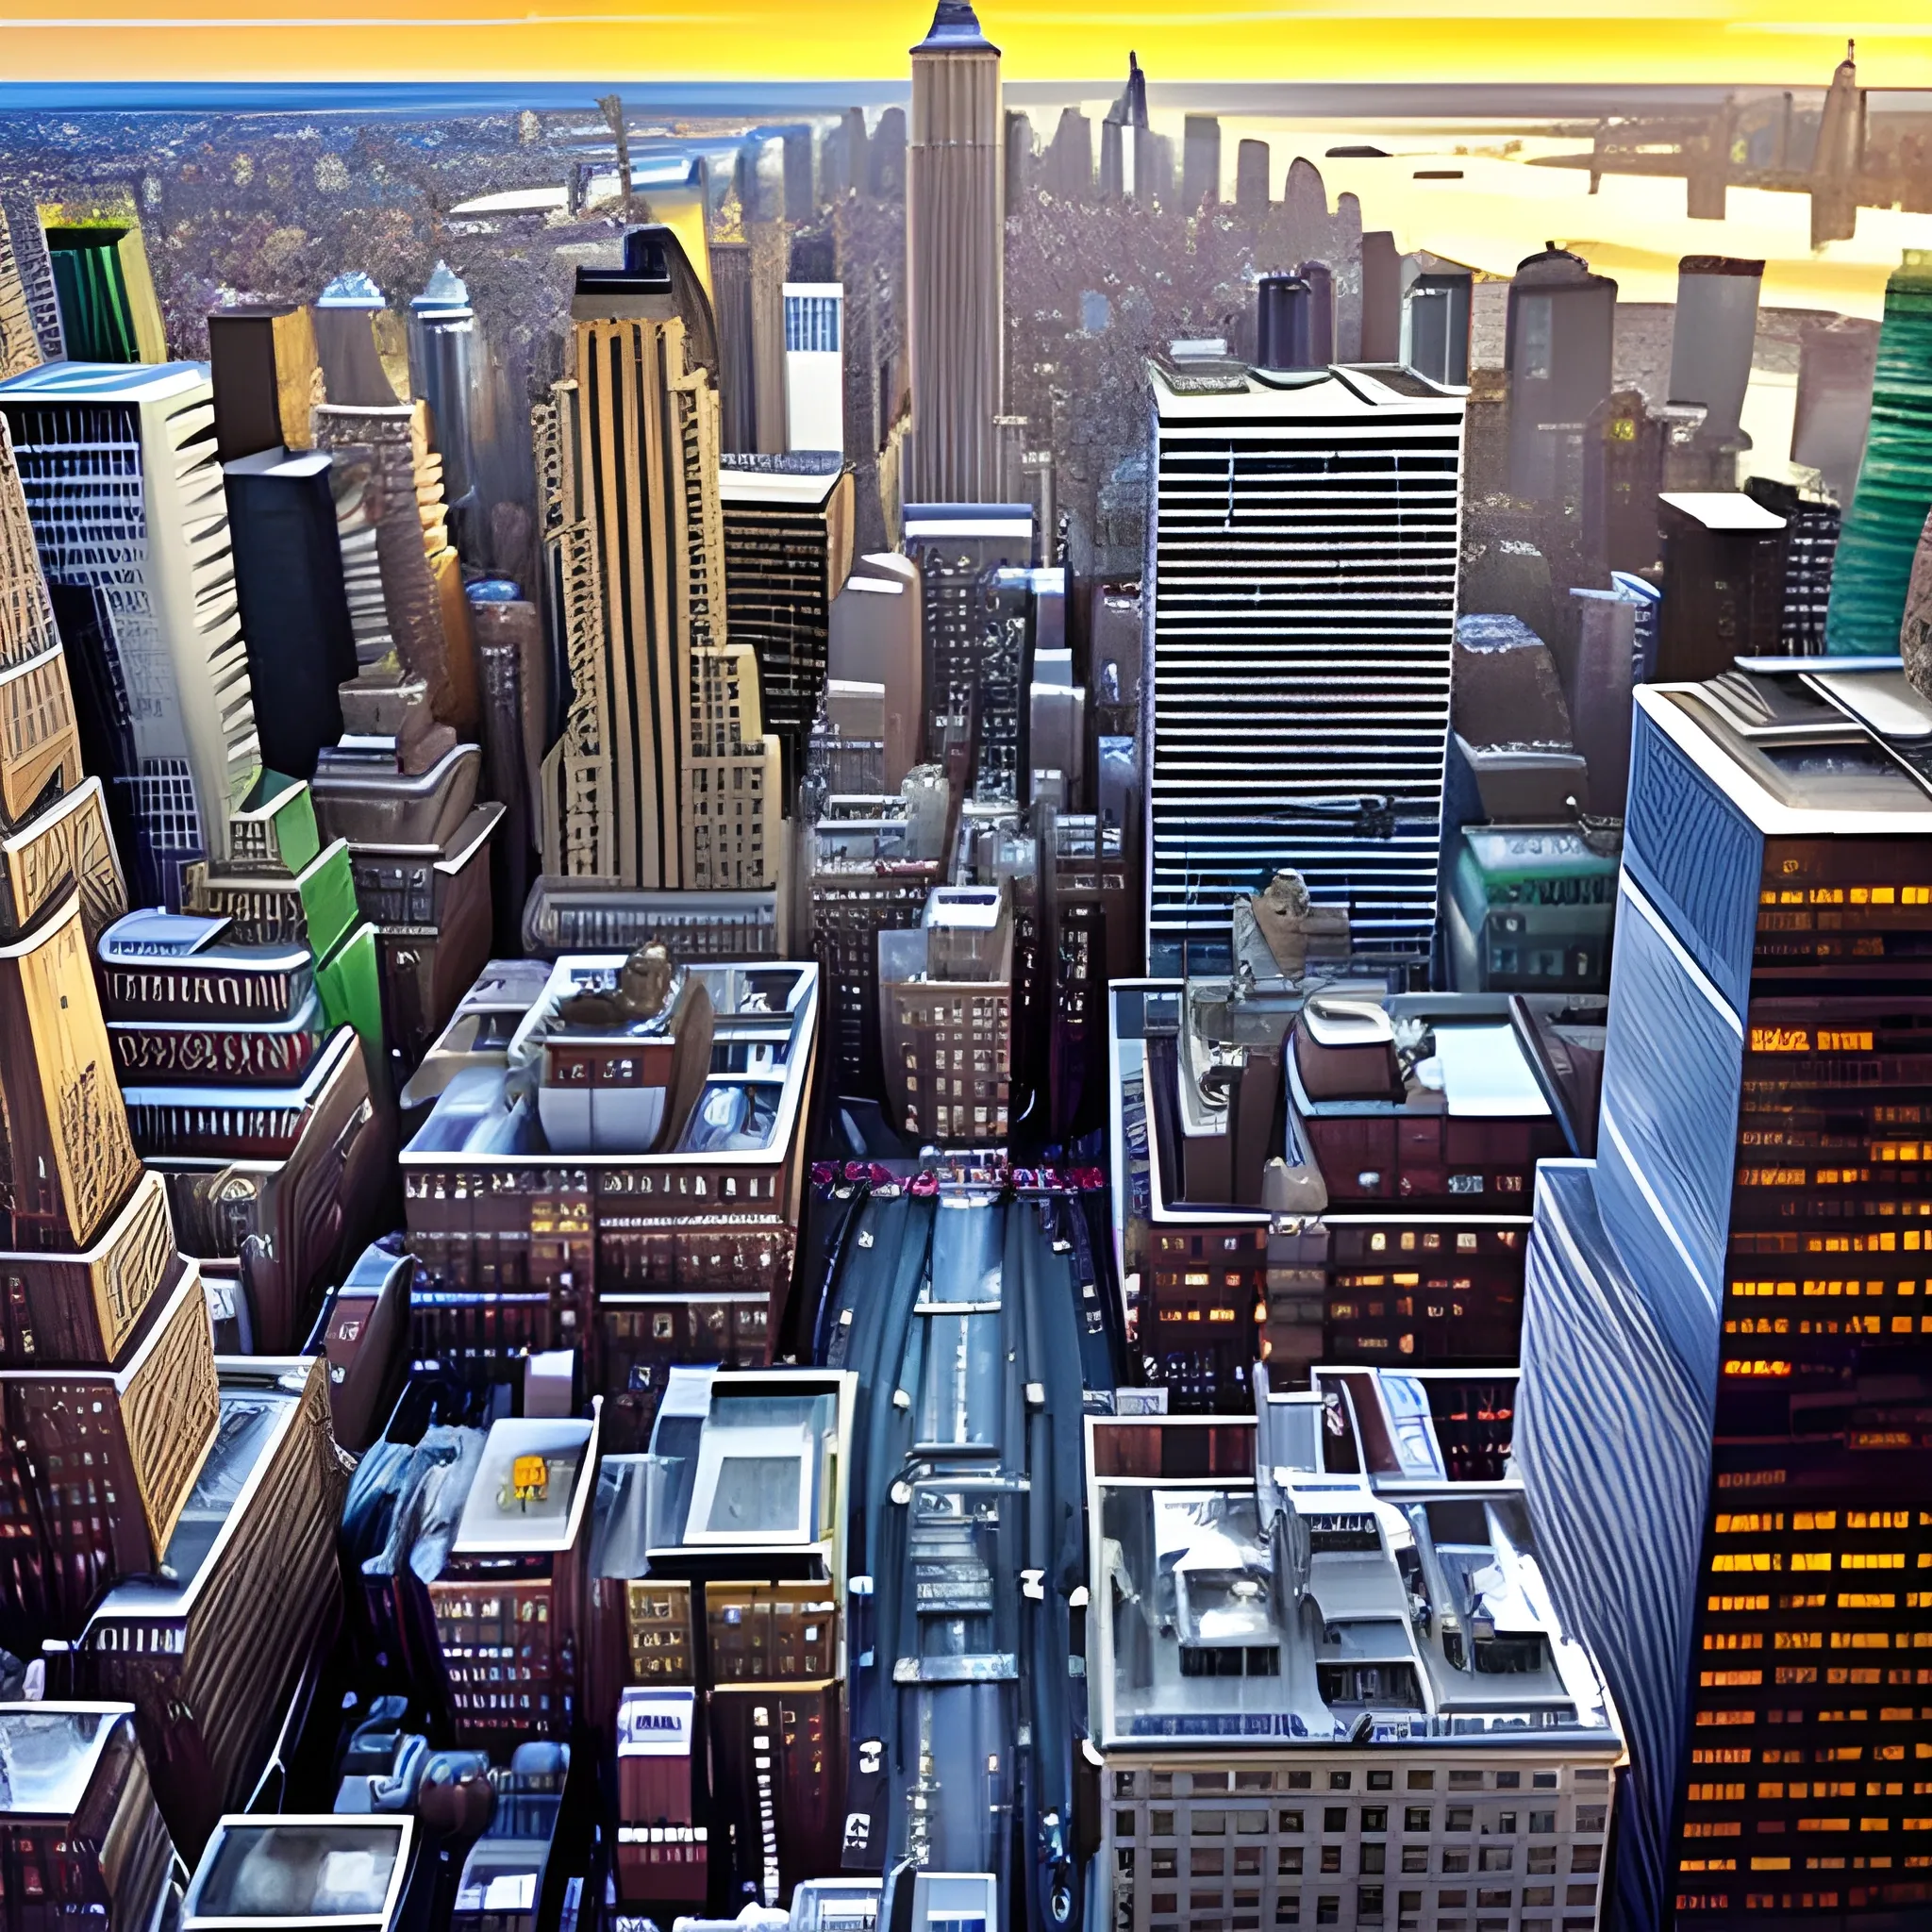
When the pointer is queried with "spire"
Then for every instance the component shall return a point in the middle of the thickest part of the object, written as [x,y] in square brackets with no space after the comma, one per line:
[954,30]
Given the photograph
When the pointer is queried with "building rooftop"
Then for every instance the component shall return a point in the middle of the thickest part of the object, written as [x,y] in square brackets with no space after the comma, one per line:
[1723,510]
[118,382]
[300,1870]
[531,1488]
[954,30]
[1347,1586]
[798,485]
[1353,391]
[1830,745]
[49,1754]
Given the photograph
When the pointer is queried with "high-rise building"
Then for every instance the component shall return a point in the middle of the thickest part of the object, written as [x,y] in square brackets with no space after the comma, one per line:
[1200,162]
[637,586]
[815,366]
[1723,582]
[107,1358]
[1558,357]
[20,344]
[1881,527]
[1300,643]
[1722,1432]
[956,545]
[787,552]
[124,493]
[1328,1686]
[955,254]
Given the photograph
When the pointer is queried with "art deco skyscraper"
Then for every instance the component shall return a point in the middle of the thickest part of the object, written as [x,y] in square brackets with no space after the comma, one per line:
[664,738]
[124,491]
[954,243]
[107,1360]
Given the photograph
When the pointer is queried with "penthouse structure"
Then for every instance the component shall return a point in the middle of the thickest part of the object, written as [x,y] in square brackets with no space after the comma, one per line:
[124,488]
[1725,1337]
[1301,621]
[1329,1685]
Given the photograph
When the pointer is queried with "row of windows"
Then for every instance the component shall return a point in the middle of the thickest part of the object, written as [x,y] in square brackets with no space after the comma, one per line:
[1212,1861]
[1372,1820]
[1732,1562]
[1168,1784]
[1370,1908]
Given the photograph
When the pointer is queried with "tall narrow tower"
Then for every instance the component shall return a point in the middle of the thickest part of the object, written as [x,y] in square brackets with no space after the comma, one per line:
[663,778]
[955,246]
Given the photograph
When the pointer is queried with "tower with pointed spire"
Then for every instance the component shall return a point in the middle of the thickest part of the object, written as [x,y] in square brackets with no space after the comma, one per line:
[954,243]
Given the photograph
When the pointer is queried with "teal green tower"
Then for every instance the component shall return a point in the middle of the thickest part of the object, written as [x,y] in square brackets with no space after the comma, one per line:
[1881,530]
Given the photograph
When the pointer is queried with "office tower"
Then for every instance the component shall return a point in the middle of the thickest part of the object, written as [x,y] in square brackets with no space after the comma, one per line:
[118,466]
[1000,711]
[875,637]
[787,552]
[1381,297]
[267,379]
[945,1016]
[1622,476]
[1838,156]
[1559,327]
[355,343]
[1352,1701]
[1321,281]
[1835,367]
[1603,670]
[1436,302]
[1093,939]
[738,367]
[1066,170]
[1894,492]
[106,1364]
[1018,160]
[1200,162]
[1126,146]
[815,366]
[293,603]
[449,369]
[513,665]
[638,592]
[1812,525]
[103,289]
[427,617]
[1723,583]
[1713,335]
[955,254]
[1723,1338]
[211,1653]
[1251,195]
[83,1834]
[875,863]
[1296,721]
[955,545]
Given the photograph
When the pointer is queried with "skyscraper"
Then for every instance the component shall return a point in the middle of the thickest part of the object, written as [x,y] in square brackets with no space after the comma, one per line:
[955,251]
[787,552]
[638,584]
[1881,529]
[107,1360]
[124,492]
[1300,635]
[1722,1427]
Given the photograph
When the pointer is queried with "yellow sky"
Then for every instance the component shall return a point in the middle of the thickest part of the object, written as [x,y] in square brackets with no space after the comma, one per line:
[1714,41]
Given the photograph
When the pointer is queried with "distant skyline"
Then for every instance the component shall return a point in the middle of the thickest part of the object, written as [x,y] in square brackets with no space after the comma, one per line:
[1709,43]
